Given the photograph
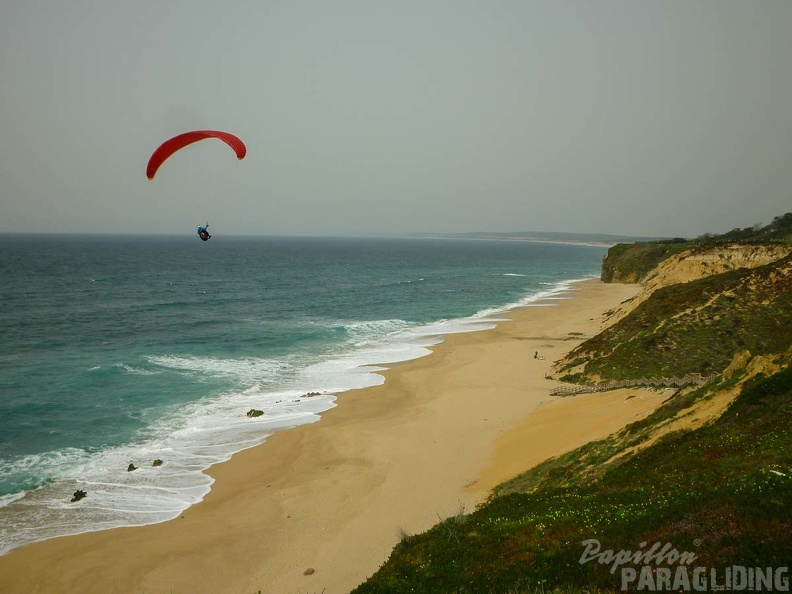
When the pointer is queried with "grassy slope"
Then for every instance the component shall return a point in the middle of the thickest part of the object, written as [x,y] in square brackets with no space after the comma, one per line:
[723,491]
[718,485]
[694,327]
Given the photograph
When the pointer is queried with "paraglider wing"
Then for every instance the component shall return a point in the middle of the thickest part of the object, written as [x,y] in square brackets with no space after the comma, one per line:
[167,148]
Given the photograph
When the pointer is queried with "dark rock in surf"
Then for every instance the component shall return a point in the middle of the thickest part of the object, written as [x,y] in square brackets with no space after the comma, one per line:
[78,494]
[254,412]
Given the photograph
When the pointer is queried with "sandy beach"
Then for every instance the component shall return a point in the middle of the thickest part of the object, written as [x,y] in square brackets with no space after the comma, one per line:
[335,496]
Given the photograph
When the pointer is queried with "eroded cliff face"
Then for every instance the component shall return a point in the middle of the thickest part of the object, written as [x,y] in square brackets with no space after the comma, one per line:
[631,263]
[695,264]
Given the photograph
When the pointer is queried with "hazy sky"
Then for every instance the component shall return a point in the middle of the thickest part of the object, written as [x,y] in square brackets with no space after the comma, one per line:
[635,117]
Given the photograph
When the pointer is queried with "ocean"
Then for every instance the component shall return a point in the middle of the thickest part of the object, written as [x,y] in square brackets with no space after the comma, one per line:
[119,350]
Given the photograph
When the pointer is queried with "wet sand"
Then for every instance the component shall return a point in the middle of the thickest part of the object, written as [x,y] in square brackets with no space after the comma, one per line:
[335,496]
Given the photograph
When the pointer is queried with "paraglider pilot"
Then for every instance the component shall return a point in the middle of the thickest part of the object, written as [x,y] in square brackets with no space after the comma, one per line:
[203,233]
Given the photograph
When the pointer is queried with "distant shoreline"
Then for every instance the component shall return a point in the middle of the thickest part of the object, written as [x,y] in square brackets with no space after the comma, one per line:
[591,243]
[568,242]
[466,237]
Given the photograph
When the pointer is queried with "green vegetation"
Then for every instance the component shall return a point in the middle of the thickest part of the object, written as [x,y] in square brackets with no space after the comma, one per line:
[633,262]
[779,230]
[722,492]
[693,327]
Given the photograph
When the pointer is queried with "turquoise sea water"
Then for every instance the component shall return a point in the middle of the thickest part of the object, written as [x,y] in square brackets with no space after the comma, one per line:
[119,350]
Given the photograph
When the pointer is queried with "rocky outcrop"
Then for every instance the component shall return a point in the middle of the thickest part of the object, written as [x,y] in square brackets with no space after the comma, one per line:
[254,412]
[78,494]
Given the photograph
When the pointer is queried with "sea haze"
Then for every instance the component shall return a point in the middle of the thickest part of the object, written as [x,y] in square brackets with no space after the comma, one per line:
[123,350]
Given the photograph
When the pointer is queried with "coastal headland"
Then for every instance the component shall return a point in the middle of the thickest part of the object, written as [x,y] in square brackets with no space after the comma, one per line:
[318,508]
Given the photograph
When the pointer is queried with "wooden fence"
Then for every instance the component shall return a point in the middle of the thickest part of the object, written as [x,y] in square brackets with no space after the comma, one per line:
[689,379]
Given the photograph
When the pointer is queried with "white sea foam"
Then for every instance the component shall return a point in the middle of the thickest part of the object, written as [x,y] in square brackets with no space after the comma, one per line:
[134,370]
[369,330]
[6,499]
[57,463]
[190,438]
[556,291]
[246,369]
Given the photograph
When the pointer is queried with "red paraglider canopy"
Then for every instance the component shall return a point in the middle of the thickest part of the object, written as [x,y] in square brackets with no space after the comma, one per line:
[167,148]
